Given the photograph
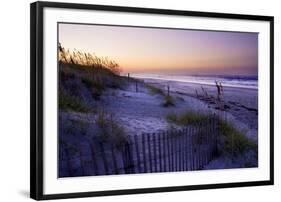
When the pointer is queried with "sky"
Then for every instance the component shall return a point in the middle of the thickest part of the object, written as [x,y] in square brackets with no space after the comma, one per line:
[155,50]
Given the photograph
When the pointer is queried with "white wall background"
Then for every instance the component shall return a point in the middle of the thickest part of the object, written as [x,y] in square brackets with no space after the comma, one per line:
[14,100]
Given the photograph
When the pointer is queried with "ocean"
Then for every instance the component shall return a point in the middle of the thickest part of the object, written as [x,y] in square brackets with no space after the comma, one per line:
[238,81]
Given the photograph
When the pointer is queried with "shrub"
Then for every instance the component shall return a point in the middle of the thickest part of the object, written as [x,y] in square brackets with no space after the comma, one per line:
[168,101]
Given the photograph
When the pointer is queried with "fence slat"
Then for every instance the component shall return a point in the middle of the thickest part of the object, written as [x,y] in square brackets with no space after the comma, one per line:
[177,151]
[155,152]
[189,148]
[144,153]
[149,151]
[199,146]
[160,151]
[182,159]
[94,158]
[164,152]
[81,162]
[173,151]
[115,166]
[193,149]
[69,165]
[103,157]
[169,150]
[188,163]
[184,150]
[137,153]
[187,140]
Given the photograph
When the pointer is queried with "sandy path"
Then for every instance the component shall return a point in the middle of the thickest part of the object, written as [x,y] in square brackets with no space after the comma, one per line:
[142,112]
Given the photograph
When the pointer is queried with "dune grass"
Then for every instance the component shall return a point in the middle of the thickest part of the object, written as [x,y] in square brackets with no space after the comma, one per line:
[90,60]
[186,118]
[71,103]
[168,100]
[97,86]
[111,130]
[235,142]
[153,90]
[96,73]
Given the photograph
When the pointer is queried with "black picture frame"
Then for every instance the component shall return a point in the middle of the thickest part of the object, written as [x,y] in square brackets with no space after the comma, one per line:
[37,101]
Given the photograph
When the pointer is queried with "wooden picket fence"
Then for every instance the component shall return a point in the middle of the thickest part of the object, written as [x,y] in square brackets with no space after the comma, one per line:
[190,148]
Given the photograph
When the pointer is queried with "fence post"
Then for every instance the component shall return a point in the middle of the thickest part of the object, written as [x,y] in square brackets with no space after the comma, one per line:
[136,86]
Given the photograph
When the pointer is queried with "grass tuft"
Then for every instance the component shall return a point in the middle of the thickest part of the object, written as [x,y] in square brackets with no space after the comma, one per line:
[71,103]
[154,90]
[111,130]
[168,101]
[235,141]
[186,118]
[97,86]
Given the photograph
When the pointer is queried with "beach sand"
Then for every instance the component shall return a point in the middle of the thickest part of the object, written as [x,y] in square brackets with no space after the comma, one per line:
[138,111]
[143,112]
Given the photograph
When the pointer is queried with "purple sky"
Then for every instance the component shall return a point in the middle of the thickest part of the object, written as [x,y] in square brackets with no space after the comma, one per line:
[146,50]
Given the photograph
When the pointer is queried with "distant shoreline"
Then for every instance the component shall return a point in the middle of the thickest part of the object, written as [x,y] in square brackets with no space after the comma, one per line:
[196,83]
